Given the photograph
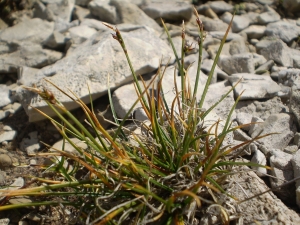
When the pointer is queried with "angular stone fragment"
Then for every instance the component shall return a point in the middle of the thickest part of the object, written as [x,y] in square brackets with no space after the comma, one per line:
[255,86]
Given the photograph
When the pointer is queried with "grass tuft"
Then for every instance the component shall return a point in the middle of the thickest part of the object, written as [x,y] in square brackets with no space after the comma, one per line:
[169,171]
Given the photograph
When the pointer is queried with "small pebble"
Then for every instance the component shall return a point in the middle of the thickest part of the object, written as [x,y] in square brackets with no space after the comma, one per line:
[5,161]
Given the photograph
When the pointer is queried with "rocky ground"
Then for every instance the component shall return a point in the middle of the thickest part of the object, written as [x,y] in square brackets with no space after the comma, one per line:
[66,42]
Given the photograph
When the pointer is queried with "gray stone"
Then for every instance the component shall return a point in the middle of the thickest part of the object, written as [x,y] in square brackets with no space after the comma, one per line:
[259,158]
[81,33]
[63,26]
[214,25]
[86,59]
[68,147]
[255,86]
[31,55]
[282,169]
[26,75]
[56,41]
[4,114]
[255,31]
[220,34]
[290,78]
[294,105]
[80,13]
[275,50]
[220,6]
[269,16]
[132,14]
[297,139]
[265,208]
[103,10]
[284,30]
[123,99]
[291,149]
[244,118]
[218,73]
[265,67]
[92,23]
[31,145]
[4,95]
[33,30]
[239,22]
[8,136]
[5,161]
[295,55]
[281,123]
[62,10]
[262,109]
[256,121]
[215,93]
[5,221]
[168,10]
[296,169]
[42,12]
[238,63]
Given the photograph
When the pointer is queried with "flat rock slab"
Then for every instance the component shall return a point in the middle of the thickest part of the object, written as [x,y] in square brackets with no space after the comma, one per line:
[92,62]
[255,86]
[22,32]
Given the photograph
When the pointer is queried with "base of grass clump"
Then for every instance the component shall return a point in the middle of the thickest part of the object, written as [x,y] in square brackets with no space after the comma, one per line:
[171,172]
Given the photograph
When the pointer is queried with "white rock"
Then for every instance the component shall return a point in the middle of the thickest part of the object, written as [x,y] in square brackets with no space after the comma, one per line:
[81,33]
[282,169]
[168,10]
[255,31]
[92,23]
[295,103]
[34,30]
[31,145]
[220,6]
[68,147]
[284,30]
[269,16]
[214,25]
[4,95]
[8,136]
[104,11]
[214,94]
[255,86]
[239,22]
[4,114]
[238,63]
[259,158]
[85,69]
[266,208]
[296,169]
[244,118]
[281,123]
[275,50]
[132,14]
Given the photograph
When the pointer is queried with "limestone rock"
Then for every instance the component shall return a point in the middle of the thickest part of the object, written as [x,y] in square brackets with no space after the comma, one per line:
[168,10]
[281,123]
[92,66]
[34,30]
[238,63]
[275,50]
[255,86]
[284,30]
